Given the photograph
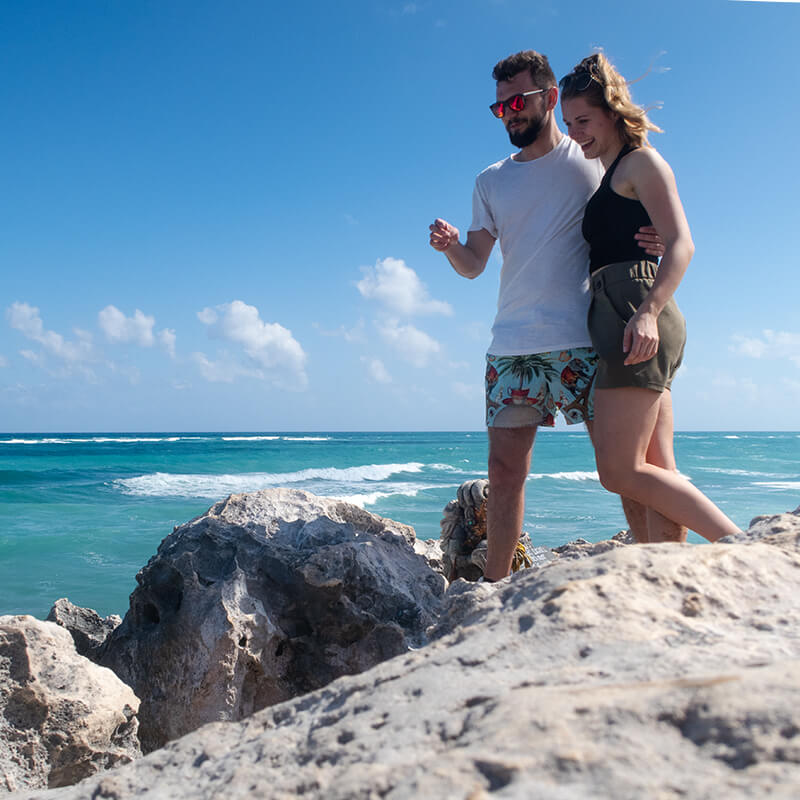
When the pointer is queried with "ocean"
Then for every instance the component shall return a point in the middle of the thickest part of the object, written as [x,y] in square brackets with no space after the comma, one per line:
[80,514]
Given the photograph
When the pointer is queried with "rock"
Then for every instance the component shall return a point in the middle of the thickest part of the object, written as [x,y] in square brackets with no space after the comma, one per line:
[267,596]
[663,671]
[62,718]
[766,526]
[88,629]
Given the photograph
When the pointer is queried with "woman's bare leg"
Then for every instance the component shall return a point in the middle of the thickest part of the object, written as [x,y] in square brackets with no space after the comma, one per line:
[660,453]
[625,422]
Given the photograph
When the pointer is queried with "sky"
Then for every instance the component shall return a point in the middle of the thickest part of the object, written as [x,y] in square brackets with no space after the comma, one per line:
[214,216]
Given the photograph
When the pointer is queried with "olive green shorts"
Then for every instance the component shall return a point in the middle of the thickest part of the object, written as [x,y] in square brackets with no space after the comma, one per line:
[617,291]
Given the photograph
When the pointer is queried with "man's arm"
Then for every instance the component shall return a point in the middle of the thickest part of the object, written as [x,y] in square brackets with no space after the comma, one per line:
[650,241]
[467,259]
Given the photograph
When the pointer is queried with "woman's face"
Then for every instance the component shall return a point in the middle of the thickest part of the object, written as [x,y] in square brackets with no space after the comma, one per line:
[593,128]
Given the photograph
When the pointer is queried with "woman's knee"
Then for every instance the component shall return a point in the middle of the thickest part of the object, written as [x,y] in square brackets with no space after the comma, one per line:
[615,477]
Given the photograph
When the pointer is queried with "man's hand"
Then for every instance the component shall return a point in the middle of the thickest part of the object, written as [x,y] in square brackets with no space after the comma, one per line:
[443,235]
[640,340]
[650,241]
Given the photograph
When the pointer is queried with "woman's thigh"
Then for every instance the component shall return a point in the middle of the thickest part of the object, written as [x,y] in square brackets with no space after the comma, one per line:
[624,423]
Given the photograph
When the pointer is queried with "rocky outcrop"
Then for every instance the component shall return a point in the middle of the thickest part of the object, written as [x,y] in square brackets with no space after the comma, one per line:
[88,629]
[664,671]
[267,596]
[62,718]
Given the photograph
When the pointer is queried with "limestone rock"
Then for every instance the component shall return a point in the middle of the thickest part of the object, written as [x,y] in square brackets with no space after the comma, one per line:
[768,525]
[266,596]
[62,718]
[88,629]
[663,671]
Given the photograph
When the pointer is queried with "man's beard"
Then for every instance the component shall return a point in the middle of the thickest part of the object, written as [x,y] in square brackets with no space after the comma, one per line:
[522,137]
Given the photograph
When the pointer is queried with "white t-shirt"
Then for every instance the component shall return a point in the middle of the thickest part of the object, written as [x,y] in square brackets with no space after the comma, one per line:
[535,209]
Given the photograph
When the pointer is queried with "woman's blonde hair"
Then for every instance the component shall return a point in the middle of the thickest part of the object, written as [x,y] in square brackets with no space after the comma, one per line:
[596,80]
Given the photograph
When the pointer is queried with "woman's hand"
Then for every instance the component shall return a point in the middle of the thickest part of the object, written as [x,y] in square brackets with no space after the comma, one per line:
[640,340]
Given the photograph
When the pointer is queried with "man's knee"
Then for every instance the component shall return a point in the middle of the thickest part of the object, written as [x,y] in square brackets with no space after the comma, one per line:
[507,472]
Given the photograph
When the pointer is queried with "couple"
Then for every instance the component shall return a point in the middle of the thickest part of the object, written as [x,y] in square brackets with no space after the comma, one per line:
[605,185]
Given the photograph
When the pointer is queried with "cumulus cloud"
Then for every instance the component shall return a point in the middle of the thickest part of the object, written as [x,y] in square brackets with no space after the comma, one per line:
[137,329]
[412,344]
[167,339]
[73,354]
[395,285]
[772,344]
[271,350]
[376,370]
[119,328]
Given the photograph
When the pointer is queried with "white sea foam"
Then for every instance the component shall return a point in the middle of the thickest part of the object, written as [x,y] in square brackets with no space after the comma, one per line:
[732,437]
[743,472]
[307,438]
[105,440]
[250,438]
[566,476]
[784,485]
[162,484]
[35,441]
[362,500]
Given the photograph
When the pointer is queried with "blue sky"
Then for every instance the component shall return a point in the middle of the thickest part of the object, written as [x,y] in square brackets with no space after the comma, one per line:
[214,215]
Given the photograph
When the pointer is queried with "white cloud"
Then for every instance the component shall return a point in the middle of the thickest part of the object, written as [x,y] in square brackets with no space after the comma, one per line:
[412,344]
[399,288]
[772,344]
[137,329]
[3,361]
[376,369]
[119,328]
[274,354]
[167,339]
[351,335]
[225,370]
[26,319]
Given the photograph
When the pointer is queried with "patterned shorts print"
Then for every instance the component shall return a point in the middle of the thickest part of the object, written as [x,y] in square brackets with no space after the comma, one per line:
[562,380]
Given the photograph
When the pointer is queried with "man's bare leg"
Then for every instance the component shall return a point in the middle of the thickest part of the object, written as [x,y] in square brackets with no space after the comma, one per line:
[509,463]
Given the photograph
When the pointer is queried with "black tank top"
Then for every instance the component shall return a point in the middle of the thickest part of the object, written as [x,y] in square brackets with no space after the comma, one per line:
[610,222]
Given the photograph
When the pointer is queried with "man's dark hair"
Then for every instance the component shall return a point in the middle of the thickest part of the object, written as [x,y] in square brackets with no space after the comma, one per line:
[536,63]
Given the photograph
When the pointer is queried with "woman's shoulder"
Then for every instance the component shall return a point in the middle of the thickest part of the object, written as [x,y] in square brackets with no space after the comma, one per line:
[643,163]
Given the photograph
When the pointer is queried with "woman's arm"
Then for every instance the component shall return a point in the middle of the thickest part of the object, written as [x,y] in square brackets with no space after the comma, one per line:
[652,181]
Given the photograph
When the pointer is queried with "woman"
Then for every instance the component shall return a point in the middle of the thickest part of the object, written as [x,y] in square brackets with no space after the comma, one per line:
[634,323]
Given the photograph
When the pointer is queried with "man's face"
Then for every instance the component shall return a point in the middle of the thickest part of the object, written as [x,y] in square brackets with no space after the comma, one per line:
[523,126]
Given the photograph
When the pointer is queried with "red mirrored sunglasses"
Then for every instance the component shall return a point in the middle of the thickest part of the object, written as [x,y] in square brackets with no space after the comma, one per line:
[516,103]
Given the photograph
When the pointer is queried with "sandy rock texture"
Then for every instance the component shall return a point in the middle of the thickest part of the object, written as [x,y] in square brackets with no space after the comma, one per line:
[657,671]
[62,718]
[267,596]
[88,629]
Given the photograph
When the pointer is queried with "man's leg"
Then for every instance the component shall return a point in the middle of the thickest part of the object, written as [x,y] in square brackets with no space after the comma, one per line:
[509,463]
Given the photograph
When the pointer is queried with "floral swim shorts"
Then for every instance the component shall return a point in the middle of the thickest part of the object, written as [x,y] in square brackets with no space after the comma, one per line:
[531,389]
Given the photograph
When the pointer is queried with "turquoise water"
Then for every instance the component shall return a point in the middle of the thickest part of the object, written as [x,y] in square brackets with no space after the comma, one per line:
[80,514]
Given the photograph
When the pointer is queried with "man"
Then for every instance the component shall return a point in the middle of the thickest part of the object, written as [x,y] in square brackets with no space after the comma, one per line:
[540,360]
